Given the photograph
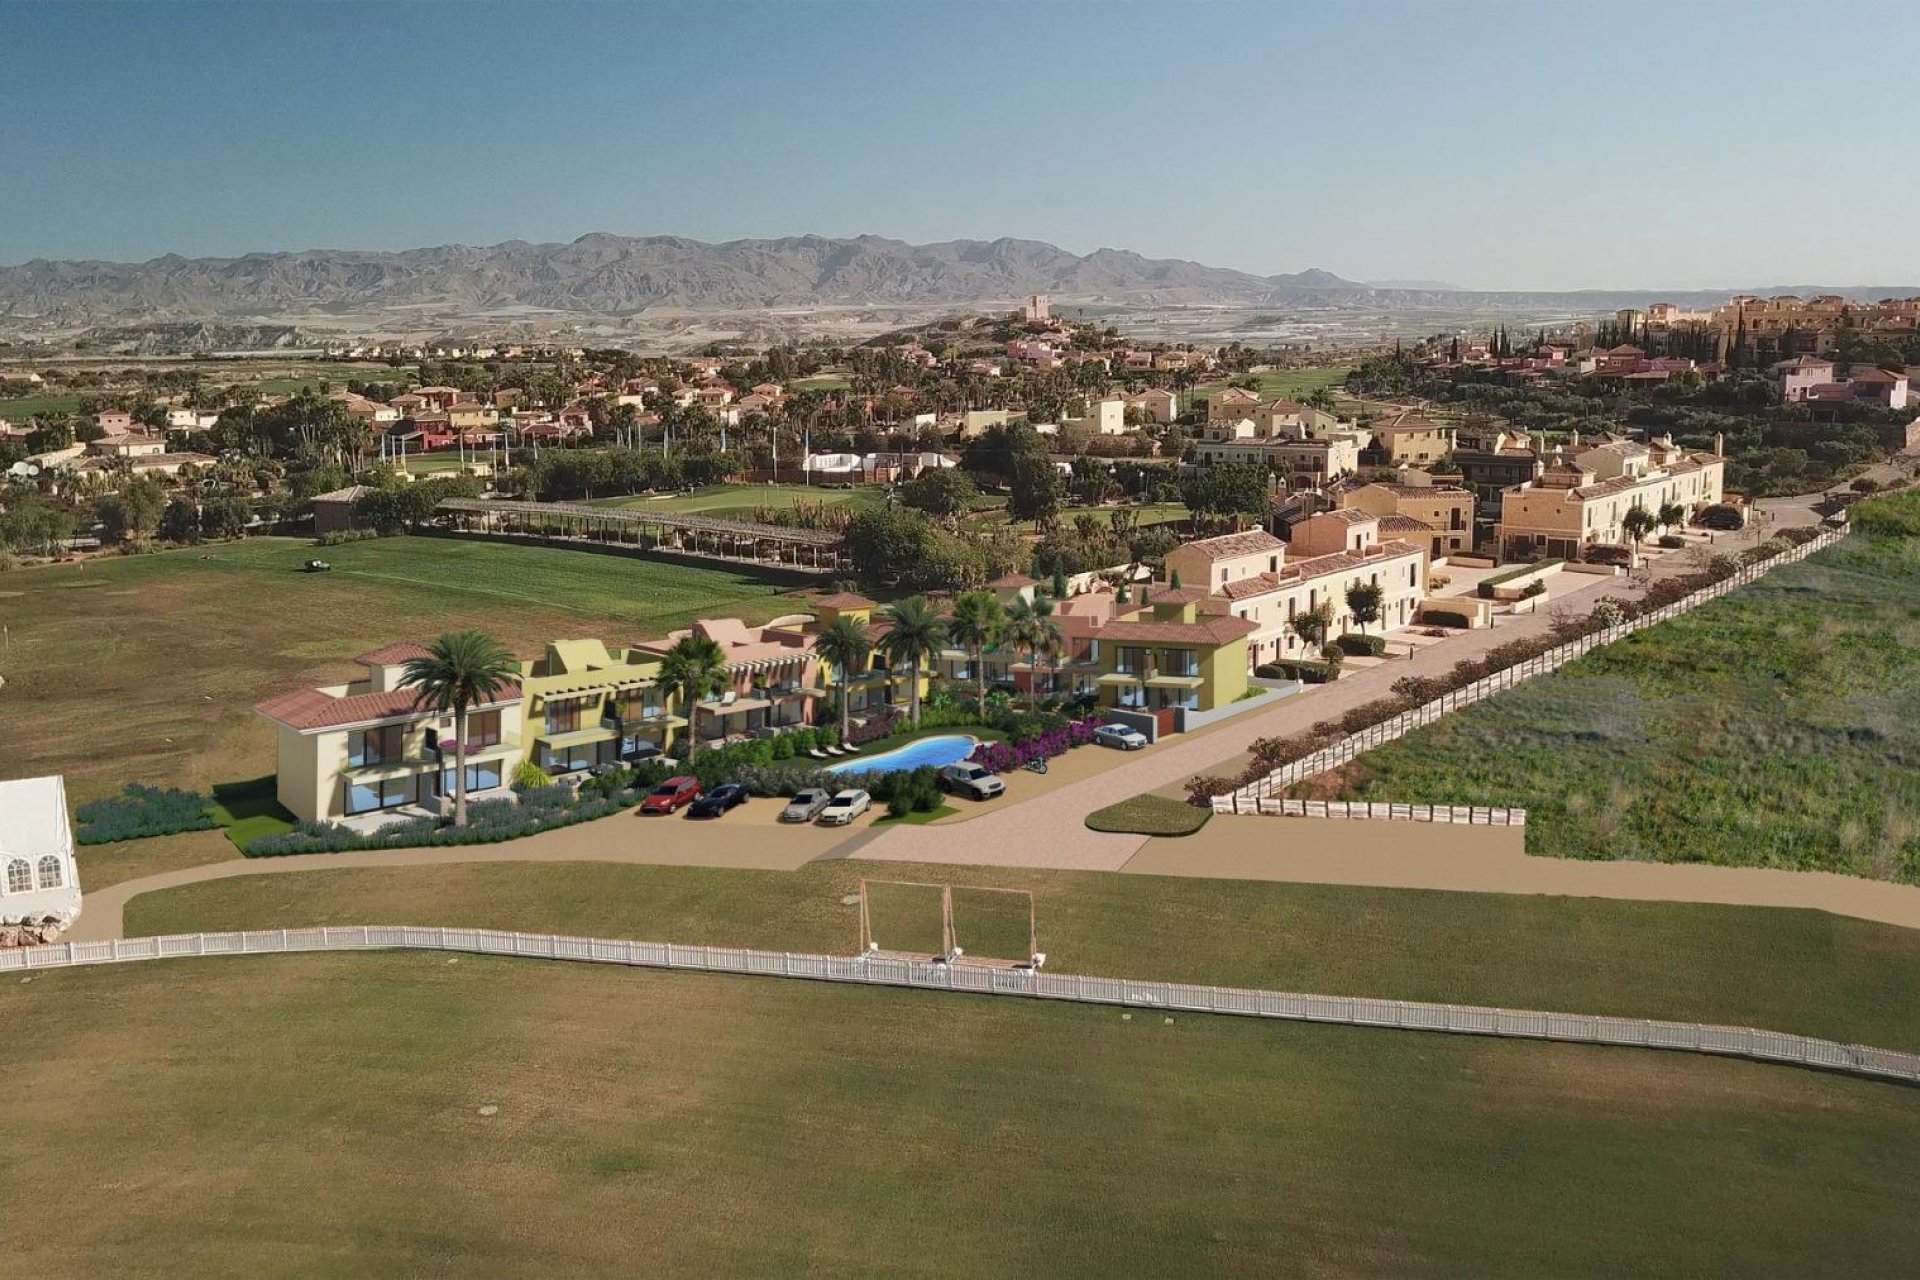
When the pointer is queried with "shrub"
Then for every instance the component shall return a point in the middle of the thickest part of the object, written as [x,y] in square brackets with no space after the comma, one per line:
[527,775]
[488,822]
[1361,646]
[139,812]
[345,535]
[1672,541]
[1619,556]
[1305,670]
[1508,575]
[1534,588]
[1444,618]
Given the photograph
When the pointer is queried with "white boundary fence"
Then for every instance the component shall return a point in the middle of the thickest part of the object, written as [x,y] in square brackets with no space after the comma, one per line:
[1405,1015]
[1474,815]
[1246,800]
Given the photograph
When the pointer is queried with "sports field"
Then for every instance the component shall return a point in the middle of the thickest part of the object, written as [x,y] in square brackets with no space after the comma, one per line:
[739,500]
[409,1114]
[1802,971]
[147,667]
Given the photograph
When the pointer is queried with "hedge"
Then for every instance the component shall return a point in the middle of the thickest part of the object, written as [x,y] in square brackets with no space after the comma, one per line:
[139,812]
[1672,541]
[1444,618]
[488,822]
[1358,645]
[1305,670]
[1518,571]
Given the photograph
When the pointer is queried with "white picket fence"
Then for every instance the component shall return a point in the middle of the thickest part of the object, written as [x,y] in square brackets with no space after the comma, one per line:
[1473,815]
[1404,1015]
[1246,800]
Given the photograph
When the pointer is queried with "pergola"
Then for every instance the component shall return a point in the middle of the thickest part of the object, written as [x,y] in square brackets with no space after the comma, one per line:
[805,550]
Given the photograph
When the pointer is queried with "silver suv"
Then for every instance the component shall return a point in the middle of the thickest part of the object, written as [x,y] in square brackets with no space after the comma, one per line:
[972,780]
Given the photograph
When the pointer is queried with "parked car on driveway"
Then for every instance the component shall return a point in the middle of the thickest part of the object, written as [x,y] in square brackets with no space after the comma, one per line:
[717,801]
[671,795]
[806,805]
[1121,736]
[975,781]
[844,808]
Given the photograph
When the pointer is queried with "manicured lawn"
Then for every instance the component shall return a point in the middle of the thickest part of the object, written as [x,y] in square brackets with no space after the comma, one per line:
[1779,726]
[740,500]
[249,810]
[1150,815]
[20,408]
[146,668]
[918,818]
[1802,971]
[324,1115]
[1288,382]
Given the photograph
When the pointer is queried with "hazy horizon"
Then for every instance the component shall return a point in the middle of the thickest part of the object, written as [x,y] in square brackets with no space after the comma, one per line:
[1490,147]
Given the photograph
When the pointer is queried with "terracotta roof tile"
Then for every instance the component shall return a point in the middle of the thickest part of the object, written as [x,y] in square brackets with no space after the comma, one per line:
[392,654]
[844,600]
[1212,631]
[318,709]
[1237,544]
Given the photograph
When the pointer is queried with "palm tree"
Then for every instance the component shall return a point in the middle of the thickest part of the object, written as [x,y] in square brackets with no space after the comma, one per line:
[460,669]
[695,667]
[1030,626]
[915,635]
[844,645]
[976,625]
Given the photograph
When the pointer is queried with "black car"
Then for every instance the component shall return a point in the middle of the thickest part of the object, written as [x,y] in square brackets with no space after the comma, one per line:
[717,801]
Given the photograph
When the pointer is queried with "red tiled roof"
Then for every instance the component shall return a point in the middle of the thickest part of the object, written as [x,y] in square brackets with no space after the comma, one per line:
[1213,631]
[317,709]
[391,654]
[1237,544]
[844,600]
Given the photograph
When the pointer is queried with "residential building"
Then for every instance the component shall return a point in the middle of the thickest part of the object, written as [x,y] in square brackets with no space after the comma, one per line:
[470,415]
[1409,441]
[1106,417]
[1164,654]
[39,880]
[1262,581]
[1232,404]
[1494,465]
[370,746]
[1797,376]
[1038,310]
[1574,505]
[1304,463]
[132,445]
[585,706]
[1444,512]
[1156,404]
[115,422]
[773,675]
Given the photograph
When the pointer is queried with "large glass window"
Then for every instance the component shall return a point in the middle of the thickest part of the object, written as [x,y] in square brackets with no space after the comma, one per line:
[483,729]
[480,777]
[374,746]
[564,717]
[387,793]
[570,760]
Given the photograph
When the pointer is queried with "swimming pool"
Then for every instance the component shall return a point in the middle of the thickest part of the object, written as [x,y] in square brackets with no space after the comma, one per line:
[950,748]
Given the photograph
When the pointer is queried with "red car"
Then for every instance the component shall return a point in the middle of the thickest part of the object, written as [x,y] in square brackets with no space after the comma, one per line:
[671,795]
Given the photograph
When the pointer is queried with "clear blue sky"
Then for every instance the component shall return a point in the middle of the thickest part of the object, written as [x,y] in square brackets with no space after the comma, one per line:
[1496,146]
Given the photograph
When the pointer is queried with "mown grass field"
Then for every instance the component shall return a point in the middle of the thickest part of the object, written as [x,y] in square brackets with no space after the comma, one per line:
[1779,726]
[20,408]
[147,668]
[1287,382]
[1802,971]
[411,1114]
[740,500]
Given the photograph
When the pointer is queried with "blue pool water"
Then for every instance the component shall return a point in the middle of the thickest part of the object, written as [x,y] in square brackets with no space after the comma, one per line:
[943,750]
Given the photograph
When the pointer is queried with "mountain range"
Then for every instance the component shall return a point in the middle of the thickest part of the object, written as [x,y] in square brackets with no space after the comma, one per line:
[609,276]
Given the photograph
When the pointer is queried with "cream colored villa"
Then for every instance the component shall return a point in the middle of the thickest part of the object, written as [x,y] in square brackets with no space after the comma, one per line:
[367,747]
[1257,577]
[1578,504]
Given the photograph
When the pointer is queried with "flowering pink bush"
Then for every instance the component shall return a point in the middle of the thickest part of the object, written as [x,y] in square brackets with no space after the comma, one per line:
[1004,757]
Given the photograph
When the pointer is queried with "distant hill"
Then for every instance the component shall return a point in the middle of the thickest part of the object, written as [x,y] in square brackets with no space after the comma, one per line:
[619,278]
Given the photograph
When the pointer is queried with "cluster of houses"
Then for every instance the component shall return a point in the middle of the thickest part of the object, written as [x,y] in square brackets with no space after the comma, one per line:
[1810,380]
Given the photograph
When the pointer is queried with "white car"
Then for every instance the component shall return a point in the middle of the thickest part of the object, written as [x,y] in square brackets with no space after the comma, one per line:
[1119,735]
[844,808]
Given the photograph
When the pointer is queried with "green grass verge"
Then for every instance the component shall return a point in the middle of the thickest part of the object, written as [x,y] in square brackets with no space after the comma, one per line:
[403,1114]
[251,809]
[1778,726]
[1150,815]
[918,818]
[1803,971]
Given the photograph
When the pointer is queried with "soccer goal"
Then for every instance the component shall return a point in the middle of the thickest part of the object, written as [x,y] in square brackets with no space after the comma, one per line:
[949,924]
